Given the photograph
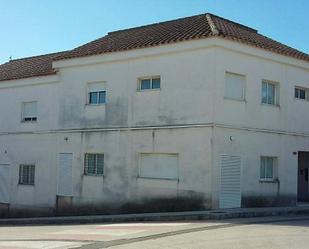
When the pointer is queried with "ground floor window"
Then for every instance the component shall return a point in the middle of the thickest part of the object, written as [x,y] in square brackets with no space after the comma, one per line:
[268,168]
[94,164]
[26,174]
[158,165]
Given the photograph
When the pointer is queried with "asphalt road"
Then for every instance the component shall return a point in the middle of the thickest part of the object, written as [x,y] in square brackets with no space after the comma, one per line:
[271,232]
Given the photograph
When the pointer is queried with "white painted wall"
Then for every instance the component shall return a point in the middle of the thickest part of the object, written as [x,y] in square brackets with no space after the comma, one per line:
[188,116]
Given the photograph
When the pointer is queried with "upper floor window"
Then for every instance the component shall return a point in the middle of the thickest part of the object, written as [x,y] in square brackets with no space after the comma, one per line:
[268,168]
[270,93]
[149,83]
[301,93]
[26,174]
[94,164]
[96,93]
[235,86]
[29,111]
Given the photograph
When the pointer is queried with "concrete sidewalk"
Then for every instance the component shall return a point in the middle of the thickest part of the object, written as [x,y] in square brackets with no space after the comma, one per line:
[164,216]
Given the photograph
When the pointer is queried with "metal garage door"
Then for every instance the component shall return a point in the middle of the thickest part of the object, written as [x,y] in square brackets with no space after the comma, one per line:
[230,194]
[65,181]
[4,183]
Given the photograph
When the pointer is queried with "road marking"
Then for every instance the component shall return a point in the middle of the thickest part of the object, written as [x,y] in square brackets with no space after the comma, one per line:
[39,244]
[113,232]
[107,244]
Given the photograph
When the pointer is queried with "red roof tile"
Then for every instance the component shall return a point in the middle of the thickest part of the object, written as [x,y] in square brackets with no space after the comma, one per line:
[189,28]
[28,67]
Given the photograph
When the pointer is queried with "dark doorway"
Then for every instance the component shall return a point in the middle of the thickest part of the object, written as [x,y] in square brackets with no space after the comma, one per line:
[303,187]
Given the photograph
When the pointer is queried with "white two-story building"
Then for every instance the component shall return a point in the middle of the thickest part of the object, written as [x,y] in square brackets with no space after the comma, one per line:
[199,112]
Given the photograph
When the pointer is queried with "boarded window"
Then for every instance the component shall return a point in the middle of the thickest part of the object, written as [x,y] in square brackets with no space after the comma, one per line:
[94,164]
[158,165]
[4,183]
[29,111]
[235,86]
[65,174]
[26,174]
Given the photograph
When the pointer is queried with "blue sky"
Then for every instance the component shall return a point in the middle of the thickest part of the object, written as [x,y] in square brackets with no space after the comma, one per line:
[36,27]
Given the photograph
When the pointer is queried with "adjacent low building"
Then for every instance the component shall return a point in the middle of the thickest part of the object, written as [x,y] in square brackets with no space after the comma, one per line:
[198,112]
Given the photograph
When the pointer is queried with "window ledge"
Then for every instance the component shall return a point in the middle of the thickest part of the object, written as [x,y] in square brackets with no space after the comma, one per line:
[238,100]
[275,106]
[93,175]
[304,100]
[269,181]
[102,104]
[30,121]
[24,184]
[149,90]
[156,178]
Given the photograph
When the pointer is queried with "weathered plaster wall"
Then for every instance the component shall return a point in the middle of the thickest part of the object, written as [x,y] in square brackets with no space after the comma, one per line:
[251,146]
[185,96]
[192,93]
[289,116]
[120,183]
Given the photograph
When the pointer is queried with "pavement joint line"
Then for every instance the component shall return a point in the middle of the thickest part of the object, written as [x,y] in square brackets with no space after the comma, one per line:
[107,244]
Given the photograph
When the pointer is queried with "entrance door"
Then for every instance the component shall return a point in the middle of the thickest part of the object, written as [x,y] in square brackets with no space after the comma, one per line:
[65,175]
[230,194]
[4,183]
[303,165]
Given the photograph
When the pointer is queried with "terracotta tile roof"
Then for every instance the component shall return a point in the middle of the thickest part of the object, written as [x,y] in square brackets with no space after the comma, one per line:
[195,27]
[189,28]
[237,32]
[28,67]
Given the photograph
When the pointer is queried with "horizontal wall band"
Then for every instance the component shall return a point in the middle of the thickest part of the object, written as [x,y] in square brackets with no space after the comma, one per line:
[163,127]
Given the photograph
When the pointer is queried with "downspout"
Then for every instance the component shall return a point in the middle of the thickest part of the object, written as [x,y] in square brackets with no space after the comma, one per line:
[214,180]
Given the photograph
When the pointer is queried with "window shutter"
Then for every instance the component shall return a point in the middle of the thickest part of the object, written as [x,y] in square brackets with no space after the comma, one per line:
[30,109]
[96,87]
[234,86]
[163,166]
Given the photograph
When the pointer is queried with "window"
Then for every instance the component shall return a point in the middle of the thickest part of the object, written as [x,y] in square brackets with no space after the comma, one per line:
[96,93]
[235,86]
[94,164]
[29,111]
[270,93]
[301,93]
[96,98]
[158,165]
[149,83]
[26,174]
[268,166]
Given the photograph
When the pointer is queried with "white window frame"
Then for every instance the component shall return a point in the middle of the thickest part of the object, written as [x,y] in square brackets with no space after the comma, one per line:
[274,169]
[98,96]
[32,118]
[243,98]
[96,164]
[95,87]
[303,89]
[151,78]
[276,95]
[29,180]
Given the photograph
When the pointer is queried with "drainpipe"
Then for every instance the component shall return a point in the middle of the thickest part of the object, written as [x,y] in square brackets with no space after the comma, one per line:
[278,189]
